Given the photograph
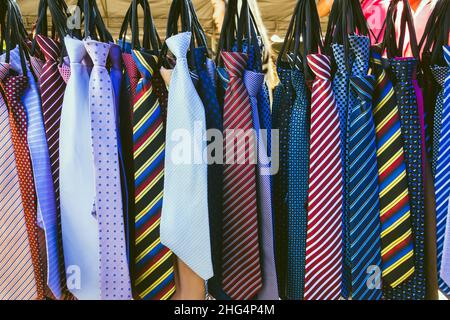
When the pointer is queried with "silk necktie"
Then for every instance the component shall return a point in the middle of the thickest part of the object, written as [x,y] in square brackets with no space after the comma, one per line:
[298,187]
[403,69]
[341,92]
[184,217]
[214,121]
[14,87]
[396,237]
[240,250]
[114,274]
[281,114]
[323,269]
[254,84]
[442,183]
[439,75]
[16,265]
[80,229]
[154,263]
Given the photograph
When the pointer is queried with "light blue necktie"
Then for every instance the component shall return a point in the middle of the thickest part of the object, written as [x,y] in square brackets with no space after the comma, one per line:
[46,203]
[77,183]
[185,216]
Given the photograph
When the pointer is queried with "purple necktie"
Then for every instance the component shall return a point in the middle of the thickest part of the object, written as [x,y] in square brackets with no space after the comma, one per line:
[114,273]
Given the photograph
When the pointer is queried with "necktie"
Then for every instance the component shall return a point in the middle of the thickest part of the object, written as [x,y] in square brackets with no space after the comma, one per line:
[16,266]
[439,75]
[442,183]
[341,92]
[132,74]
[80,230]
[364,206]
[114,274]
[403,69]
[153,262]
[254,84]
[281,115]
[396,237]
[241,267]
[13,88]
[184,217]
[298,187]
[323,269]
[213,114]
[37,66]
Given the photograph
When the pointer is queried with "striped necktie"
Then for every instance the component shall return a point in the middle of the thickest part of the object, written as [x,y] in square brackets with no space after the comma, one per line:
[403,69]
[242,278]
[13,88]
[52,92]
[297,187]
[442,182]
[363,192]
[16,266]
[323,269]
[153,262]
[396,237]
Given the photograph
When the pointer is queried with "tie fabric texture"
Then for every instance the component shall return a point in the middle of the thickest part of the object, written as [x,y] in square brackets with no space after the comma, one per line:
[114,274]
[16,266]
[214,121]
[396,237]
[52,87]
[254,84]
[79,223]
[403,69]
[283,98]
[323,268]
[341,92]
[185,215]
[363,192]
[439,74]
[14,87]
[241,268]
[154,263]
[442,184]
[298,187]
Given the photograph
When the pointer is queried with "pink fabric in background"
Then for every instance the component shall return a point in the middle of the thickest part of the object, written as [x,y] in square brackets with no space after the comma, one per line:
[375,14]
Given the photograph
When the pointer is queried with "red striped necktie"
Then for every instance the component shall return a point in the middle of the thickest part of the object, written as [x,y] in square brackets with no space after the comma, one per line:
[240,250]
[324,232]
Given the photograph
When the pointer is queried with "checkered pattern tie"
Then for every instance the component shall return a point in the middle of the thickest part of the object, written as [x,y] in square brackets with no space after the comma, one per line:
[403,69]
[297,187]
[153,261]
[240,250]
[442,183]
[323,270]
[397,243]
[13,87]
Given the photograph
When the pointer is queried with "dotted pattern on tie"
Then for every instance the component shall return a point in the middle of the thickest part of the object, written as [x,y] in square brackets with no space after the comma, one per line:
[297,187]
[439,74]
[114,276]
[13,87]
[402,69]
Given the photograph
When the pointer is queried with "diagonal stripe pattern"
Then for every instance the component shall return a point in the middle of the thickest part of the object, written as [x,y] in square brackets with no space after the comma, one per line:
[153,261]
[323,269]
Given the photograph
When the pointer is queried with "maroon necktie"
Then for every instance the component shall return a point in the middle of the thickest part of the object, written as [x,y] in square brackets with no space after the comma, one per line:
[240,251]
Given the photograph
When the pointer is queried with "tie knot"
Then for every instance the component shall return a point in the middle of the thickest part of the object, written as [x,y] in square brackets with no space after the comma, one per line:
[4,69]
[49,48]
[339,57]
[235,63]
[253,82]
[403,68]
[130,66]
[284,75]
[298,80]
[98,51]
[447,54]
[320,65]
[359,46]
[179,44]
[146,63]
[295,61]
[439,74]
[15,86]
[115,55]
[75,49]
[200,55]
[363,86]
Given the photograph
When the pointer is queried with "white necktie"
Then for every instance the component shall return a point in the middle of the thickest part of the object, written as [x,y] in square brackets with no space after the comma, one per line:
[77,183]
[184,218]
